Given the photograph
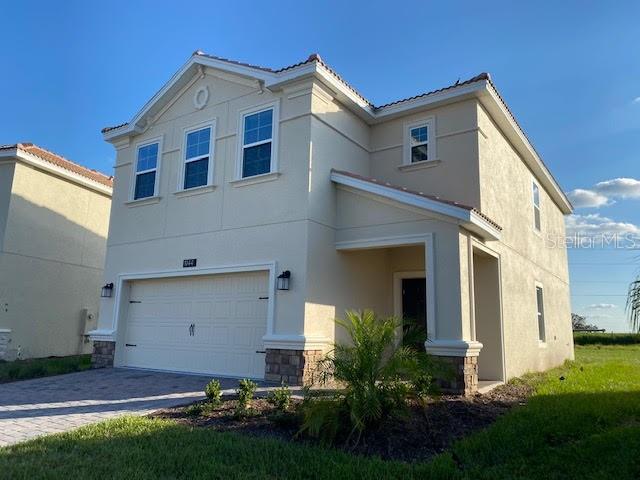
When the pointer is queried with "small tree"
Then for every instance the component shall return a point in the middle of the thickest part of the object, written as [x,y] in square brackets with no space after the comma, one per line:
[246,389]
[376,373]
[213,391]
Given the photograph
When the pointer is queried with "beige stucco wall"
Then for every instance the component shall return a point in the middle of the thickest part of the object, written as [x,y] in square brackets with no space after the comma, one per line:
[456,176]
[232,225]
[526,256]
[342,141]
[51,262]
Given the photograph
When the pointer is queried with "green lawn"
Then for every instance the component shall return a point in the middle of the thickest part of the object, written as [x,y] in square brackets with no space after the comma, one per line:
[42,367]
[586,426]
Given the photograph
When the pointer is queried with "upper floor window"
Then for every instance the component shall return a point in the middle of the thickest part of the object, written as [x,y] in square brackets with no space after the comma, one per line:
[536,206]
[258,142]
[198,157]
[419,141]
[146,171]
[419,144]
[540,307]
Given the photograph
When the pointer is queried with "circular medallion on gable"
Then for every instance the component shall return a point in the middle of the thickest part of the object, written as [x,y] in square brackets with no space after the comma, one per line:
[201,97]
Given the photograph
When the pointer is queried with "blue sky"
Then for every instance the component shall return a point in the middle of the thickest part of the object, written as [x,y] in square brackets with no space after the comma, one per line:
[570,72]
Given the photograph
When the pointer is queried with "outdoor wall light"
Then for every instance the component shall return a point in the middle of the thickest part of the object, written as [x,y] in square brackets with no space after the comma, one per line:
[283,280]
[107,290]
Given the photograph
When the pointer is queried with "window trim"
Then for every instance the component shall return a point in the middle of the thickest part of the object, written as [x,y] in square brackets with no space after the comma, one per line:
[135,173]
[430,123]
[273,105]
[211,124]
[542,341]
[538,207]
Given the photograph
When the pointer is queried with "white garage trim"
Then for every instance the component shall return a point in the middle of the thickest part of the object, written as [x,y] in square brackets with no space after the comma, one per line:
[119,300]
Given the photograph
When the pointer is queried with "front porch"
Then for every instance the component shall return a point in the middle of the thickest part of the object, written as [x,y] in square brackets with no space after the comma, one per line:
[436,267]
[459,305]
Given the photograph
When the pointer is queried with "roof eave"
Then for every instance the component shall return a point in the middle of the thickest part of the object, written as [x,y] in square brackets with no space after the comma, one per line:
[468,219]
[503,118]
[451,95]
[16,154]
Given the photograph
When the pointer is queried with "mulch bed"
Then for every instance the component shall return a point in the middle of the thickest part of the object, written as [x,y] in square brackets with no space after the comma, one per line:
[424,433]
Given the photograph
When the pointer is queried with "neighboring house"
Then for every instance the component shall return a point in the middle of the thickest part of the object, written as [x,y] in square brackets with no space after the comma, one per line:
[54,219]
[233,176]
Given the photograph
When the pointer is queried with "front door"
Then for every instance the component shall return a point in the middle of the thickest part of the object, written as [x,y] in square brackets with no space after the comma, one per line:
[414,310]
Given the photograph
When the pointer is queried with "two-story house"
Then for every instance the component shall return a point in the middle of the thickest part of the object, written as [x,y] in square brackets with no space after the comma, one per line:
[54,219]
[254,206]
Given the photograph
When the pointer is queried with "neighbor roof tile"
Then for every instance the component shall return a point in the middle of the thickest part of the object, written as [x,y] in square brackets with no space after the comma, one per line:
[61,162]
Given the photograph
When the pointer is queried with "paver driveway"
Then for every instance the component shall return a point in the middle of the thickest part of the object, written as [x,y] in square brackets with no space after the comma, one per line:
[30,408]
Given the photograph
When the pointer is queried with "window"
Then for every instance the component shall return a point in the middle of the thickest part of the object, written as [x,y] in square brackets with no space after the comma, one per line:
[536,207]
[146,171]
[418,144]
[540,306]
[198,153]
[258,142]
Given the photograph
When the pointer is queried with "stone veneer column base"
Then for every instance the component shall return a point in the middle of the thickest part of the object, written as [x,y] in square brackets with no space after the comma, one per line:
[293,367]
[464,375]
[103,352]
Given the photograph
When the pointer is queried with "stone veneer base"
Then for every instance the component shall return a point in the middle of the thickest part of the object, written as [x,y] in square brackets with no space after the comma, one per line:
[464,375]
[103,353]
[293,367]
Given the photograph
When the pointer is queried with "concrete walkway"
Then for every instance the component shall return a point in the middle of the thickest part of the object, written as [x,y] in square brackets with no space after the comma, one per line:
[31,408]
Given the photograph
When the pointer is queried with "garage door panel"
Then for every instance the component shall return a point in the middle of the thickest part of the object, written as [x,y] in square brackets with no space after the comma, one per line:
[157,334]
[229,322]
[223,309]
[201,310]
[160,309]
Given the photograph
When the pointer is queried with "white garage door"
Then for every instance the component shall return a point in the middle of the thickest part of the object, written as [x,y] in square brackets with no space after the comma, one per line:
[211,324]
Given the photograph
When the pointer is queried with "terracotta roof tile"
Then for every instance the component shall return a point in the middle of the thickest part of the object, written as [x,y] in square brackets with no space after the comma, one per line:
[314,57]
[420,194]
[61,162]
[477,78]
[108,129]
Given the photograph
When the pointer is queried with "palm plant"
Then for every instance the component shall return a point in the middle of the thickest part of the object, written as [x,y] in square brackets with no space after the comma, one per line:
[376,373]
[633,305]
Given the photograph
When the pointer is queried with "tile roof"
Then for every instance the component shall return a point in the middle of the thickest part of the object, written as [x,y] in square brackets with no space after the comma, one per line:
[108,129]
[420,194]
[477,78]
[61,162]
[314,57]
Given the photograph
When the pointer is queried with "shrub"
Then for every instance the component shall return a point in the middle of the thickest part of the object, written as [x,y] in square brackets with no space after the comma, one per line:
[213,391]
[377,372]
[245,392]
[280,398]
[606,338]
[194,410]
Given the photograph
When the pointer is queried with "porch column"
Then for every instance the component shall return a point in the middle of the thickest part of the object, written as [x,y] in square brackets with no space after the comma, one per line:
[450,310]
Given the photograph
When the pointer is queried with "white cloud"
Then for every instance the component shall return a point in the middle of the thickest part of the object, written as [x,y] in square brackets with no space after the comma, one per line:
[595,225]
[581,198]
[602,306]
[604,193]
[619,187]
